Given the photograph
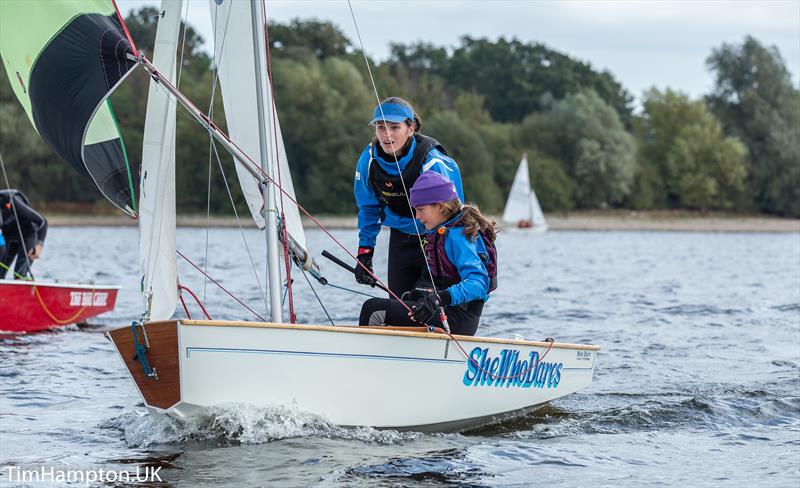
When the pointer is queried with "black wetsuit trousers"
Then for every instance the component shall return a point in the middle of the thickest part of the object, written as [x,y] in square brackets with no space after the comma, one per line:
[463,319]
[14,249]
[406,261]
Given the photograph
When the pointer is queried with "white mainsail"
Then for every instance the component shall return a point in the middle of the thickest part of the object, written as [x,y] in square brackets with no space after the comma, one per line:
[157,260]
[522,205]
[233,55]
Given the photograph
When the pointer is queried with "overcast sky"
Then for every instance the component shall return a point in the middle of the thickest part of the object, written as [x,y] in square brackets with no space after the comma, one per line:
[643,43]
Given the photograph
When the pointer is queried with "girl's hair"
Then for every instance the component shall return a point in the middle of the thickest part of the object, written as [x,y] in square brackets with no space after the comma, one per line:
[471,218]
[417,122]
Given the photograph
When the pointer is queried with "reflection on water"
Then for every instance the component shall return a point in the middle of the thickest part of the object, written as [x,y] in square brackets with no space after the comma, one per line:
[699,372]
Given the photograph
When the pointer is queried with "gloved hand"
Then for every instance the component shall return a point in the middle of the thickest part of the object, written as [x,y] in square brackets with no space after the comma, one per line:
[427,308]
[365,258]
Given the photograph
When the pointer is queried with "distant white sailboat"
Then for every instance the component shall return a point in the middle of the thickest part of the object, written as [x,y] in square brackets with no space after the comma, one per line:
[522,208]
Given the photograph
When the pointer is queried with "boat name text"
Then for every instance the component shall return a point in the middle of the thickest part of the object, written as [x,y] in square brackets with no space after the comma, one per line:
[507,370]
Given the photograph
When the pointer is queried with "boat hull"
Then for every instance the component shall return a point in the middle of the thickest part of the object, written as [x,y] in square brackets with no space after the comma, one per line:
[352,376]
[29,306]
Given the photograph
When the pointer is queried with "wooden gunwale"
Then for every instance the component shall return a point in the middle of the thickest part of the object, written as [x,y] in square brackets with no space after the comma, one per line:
[387,331]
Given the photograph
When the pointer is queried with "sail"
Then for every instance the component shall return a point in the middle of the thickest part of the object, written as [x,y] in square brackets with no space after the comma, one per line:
[63,60]
[157,261]
[518,207]
[536,212]
[233,55]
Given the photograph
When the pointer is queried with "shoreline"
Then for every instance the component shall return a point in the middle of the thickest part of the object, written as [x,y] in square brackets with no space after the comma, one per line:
[589,221]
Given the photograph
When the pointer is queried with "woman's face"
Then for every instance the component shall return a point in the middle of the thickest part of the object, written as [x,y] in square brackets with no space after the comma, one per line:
[393,136]
[431,216]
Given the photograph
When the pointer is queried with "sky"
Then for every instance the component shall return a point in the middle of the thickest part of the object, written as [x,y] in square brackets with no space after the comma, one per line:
[644,44]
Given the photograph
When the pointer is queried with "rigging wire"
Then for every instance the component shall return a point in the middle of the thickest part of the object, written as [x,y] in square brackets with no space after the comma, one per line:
[215,81]
[305,275]
[16,217]
[394,152]
[292,316]
[239,223]
[220,286]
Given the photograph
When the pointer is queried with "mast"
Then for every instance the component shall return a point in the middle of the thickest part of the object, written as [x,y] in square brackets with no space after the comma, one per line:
[268,190]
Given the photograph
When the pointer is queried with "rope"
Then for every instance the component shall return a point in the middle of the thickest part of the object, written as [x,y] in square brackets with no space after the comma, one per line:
[50,314]
[305,275]
[16,217]
[396,161]
[141,351]
[292,316]
[351,290]
[220,286]
[239,224]
[181,288]
[17,275]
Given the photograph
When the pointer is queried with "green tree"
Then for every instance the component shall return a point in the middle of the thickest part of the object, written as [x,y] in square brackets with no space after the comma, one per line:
[754,98]
[324,106]
[464,144]
[697,165]
[587,136]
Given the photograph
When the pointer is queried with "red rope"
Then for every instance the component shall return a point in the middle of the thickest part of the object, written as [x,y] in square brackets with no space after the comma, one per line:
[125,28]
[292,316]
[183,302]
[269,179]
[220,286]
[181,287]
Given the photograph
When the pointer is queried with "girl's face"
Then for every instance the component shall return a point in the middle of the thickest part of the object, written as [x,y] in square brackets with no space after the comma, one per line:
[431,216]
[393,136]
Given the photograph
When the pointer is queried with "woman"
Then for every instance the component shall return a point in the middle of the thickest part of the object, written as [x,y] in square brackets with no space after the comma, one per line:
[386,169]
[461,261]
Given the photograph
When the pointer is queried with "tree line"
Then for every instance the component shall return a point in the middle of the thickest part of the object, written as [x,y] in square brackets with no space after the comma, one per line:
[736,149]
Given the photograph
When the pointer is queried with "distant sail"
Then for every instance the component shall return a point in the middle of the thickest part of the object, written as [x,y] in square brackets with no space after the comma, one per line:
[518,206]
[233,56]
[522,207]
[63,60]
[157,262]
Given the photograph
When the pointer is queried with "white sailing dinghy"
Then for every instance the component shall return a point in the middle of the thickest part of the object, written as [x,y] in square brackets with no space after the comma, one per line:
[385,377]
[522,207]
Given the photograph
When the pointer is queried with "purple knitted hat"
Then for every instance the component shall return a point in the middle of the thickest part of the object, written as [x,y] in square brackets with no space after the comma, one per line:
[432,187]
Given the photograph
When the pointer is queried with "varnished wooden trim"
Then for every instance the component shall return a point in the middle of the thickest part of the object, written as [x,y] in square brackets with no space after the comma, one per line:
[162,354]
[387,331]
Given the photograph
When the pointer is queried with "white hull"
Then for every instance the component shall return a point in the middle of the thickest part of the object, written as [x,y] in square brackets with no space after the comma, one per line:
[365,377]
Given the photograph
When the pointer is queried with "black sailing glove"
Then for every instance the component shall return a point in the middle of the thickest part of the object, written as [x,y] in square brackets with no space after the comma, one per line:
[365,258]
[427,308]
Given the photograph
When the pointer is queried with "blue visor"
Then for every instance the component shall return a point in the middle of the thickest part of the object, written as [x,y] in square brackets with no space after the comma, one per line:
[392,112]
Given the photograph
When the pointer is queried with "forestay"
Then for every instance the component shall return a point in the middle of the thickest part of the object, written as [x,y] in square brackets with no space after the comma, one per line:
[157,206]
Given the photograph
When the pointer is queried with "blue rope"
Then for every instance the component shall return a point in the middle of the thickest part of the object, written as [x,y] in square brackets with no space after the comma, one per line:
[141,352]
[305,275]
[352,291]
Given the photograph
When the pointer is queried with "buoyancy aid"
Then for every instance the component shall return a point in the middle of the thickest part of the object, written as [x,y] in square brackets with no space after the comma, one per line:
[6,212]
[445,272]
[389,188]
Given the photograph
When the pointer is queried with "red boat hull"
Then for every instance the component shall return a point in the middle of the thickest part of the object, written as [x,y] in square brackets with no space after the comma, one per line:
[27,306]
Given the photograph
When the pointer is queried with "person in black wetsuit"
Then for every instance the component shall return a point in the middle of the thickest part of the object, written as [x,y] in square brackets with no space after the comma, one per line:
[388,168]
[16,215]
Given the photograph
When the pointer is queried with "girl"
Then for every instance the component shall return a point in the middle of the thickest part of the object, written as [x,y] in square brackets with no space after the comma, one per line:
[386,169]
[461,263]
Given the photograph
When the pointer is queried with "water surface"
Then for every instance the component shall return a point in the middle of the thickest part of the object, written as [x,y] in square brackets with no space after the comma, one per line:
[698,382]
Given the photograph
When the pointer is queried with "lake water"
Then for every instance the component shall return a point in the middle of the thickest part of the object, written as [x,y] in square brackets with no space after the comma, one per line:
[697,384]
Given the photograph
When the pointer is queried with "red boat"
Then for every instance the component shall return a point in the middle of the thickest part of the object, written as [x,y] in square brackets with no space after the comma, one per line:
[28,306]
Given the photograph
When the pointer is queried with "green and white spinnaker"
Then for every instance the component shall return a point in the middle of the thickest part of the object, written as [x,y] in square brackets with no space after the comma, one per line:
[63,59]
